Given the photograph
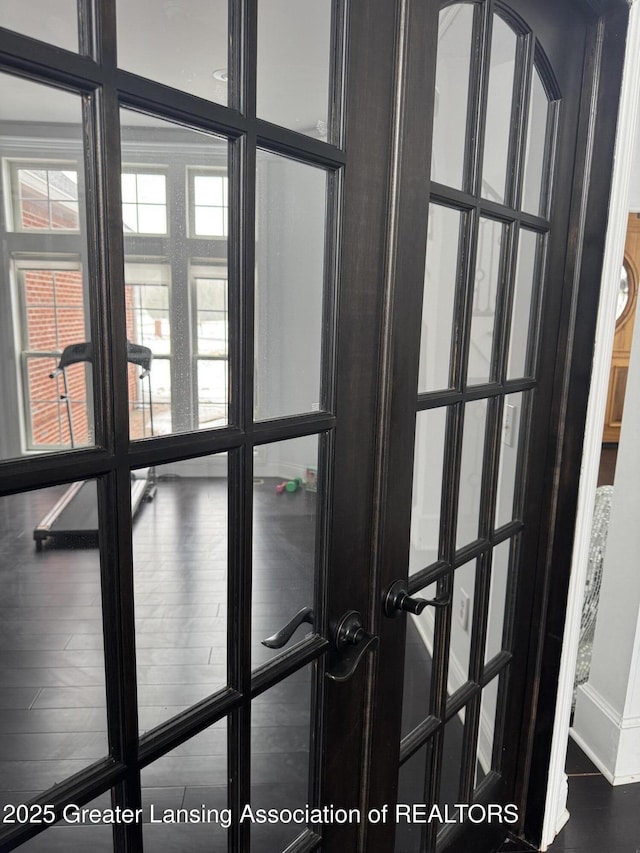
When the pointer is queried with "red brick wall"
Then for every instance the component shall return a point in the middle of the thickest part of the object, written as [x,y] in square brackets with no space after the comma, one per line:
[55,317]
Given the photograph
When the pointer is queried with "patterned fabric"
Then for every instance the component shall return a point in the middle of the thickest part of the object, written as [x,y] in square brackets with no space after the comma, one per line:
[601,515]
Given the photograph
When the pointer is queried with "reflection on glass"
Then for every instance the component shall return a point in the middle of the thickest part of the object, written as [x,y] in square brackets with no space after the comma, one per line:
[45,317]
[453,737]
[411,791]
[428,464]
[285,500]
[191,776]
[418,658]
[475,417]
[497,599]
[464,582]
[452,94]
[280,757]
[176,286]
[290,268]
[51,650]
[55,21]
[294,53]
[486,731]
[440,279]
[623,292]
[512,422]
[180,576]
[485,291]
[183,45]
[74,835]
[498,118]
[533,186]
[521,319]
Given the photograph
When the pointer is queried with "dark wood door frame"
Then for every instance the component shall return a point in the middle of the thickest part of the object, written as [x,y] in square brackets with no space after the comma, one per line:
[592,184]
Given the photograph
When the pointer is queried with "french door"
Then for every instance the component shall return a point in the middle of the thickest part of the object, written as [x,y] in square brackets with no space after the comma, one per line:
[347,235]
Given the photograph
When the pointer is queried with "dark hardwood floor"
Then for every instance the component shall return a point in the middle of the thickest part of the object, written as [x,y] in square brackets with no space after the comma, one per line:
[603,818]
[52,695]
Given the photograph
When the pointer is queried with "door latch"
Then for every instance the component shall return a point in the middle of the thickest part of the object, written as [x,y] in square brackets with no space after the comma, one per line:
[398,600]
[282,637]
[352,643]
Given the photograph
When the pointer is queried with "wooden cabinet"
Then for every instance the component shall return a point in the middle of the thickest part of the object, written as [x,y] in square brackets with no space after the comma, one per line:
[624,332]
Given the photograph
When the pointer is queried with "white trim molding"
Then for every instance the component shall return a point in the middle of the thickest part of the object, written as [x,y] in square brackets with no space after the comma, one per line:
[556,801]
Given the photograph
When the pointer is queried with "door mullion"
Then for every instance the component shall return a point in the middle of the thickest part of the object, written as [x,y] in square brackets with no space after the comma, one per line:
[114,494]
[239,637]
[243,62]
[478,92]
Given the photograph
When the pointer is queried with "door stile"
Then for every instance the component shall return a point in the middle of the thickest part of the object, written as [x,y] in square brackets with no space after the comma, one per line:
[369,107]
[413,118]
[114,492]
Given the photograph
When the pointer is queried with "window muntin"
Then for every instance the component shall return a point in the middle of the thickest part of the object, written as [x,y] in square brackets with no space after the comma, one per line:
[211,306]
[209,204]
[53,316]
[45,196]
[144,201]
[147,295]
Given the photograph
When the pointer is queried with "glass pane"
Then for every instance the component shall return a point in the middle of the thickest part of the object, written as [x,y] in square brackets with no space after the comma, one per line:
[533,184]
[77,834]
[440,280]
[47,199]
[52,683]
[491,235]
[464,582]
[428,462]
[497,599]
[451,763]
[512,422]
[475,418]
[213,392]
[191,776]
[45,321]
[486,731]
[183,45]
[290,267]
[281,720]
[418,659]
[55,21]
[144,208]
[498,120]
[521,319]
[294,56]
[452,94]
[285,501]
[176,292]
[411,792]
[180,576]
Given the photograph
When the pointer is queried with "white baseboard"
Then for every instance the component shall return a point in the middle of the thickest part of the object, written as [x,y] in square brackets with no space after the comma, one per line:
[609,740]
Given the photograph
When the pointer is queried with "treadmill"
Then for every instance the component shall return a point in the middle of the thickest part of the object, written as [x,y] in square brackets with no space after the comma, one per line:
[73,520]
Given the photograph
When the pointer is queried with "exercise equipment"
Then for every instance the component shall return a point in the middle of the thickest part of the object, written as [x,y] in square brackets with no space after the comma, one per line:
[73,519]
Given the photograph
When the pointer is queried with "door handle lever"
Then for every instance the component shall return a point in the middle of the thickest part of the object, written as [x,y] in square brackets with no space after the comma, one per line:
[352,642]
[398,600]
[282,637]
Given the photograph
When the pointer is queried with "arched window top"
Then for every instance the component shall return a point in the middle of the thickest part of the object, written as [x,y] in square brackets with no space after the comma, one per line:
[496,112]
